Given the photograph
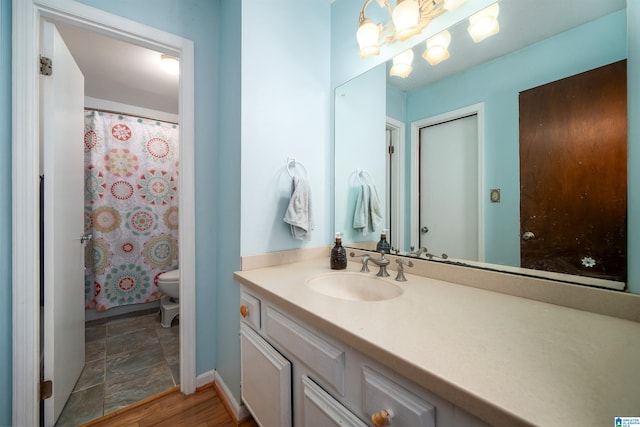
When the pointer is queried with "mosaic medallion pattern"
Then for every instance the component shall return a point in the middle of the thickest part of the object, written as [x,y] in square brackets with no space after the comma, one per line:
[131,207]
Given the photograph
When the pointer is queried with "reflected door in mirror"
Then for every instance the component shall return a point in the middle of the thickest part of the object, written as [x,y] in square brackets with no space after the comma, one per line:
[449,188]
[573,174]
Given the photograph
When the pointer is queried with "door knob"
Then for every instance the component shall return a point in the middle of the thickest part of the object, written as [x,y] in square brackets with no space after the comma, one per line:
[85,237]
[244,311]
[424,230]
[382,418]
[528,236]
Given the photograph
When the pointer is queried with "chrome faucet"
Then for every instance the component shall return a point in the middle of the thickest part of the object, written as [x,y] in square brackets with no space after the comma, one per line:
[400,276]
[416,253]
[381,262]
[365,260]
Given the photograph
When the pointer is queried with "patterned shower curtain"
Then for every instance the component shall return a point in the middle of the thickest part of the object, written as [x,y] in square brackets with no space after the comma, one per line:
[131,207]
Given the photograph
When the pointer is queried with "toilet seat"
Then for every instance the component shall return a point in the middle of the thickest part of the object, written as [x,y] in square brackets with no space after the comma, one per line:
[169,277]
[169,284]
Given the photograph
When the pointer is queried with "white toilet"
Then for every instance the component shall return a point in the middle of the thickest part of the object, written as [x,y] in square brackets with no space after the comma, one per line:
[169,284]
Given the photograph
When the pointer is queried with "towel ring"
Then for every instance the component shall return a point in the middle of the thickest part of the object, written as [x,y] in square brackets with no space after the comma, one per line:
[292,160]
[360,174]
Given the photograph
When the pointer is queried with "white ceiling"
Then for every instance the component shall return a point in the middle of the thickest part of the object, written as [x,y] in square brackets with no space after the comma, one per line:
[522,23]
[121,72]
[130,74]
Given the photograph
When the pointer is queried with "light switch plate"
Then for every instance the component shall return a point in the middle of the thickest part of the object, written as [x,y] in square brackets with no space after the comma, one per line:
[494,195]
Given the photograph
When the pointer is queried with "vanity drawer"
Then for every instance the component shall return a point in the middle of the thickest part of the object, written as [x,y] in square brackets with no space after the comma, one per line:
[325,359]
[250,309]
[320,409]
[405,408]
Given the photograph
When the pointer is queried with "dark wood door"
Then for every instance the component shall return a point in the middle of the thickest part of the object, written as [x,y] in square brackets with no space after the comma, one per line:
[573,174]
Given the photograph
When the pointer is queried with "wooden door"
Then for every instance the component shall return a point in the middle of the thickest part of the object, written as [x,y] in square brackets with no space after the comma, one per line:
[573,174]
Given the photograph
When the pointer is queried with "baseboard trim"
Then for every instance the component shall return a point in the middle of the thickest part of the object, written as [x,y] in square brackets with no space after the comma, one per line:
[131,407]
[237,411]
[205,378]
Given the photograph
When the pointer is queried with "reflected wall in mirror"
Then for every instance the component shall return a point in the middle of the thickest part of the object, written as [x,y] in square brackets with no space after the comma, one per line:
[364,104]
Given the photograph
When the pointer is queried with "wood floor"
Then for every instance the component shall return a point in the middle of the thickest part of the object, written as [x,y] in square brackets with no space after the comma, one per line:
[203,408]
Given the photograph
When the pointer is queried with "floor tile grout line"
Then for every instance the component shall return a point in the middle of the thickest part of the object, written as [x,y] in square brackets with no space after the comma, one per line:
[165,347]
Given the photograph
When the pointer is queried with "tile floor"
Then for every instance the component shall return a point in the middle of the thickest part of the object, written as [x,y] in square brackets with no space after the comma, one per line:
[126,360]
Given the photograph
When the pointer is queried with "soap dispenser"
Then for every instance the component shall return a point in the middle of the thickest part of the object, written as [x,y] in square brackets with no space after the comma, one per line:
[383,245]
[338,254]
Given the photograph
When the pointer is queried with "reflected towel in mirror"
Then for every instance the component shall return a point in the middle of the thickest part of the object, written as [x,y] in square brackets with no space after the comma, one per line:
[298,214]
[368,212]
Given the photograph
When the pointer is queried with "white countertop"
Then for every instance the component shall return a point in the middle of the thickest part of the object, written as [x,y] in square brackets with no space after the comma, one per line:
[508,360]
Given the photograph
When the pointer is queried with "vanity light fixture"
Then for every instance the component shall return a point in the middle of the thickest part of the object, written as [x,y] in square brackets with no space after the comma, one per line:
[170,64]
[409,18]
[402,64]
[484,23]
[437,48]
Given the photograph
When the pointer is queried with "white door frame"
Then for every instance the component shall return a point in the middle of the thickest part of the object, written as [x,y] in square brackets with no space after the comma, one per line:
[398,135]
[477,109]
[25,190]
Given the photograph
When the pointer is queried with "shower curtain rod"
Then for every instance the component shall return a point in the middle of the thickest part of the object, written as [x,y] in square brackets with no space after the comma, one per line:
[102,110]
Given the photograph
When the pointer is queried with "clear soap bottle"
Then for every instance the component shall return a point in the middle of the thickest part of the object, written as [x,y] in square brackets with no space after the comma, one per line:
[383,245]
[338,254]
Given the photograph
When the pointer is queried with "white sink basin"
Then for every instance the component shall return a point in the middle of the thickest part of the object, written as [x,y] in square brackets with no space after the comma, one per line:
[354,286]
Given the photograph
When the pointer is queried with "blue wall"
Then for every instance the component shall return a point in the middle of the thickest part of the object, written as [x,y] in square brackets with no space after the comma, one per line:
[359,140]
[228,188]
[5,214]
[285,112]
[396,103]
[497,84]
[196,20]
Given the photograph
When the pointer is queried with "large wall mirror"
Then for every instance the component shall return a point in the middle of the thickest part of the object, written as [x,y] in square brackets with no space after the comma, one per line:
[469,210]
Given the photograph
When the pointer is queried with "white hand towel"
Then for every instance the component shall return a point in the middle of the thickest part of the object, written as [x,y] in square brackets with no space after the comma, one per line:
[375,214]
[298,213]
[367,216]
[361,212]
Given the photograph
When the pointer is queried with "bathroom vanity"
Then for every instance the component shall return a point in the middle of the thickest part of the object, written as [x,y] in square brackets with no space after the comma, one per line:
[433,354]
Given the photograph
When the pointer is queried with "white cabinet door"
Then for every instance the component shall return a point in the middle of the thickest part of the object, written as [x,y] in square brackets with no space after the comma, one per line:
[265,380]
[322,410]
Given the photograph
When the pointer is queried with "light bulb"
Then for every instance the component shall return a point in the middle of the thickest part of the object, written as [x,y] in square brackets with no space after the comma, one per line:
[452,4]
[484,23]
[402,64]
[170,64]
[367,36]
[437,45]
[405,19]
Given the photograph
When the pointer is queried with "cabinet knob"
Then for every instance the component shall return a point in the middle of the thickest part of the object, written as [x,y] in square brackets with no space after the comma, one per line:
[244,311]
[382,418]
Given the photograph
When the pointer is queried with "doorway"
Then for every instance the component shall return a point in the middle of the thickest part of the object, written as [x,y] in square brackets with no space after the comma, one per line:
[446,184]
[26,312]
[395,174]
[448,188]
[573,175]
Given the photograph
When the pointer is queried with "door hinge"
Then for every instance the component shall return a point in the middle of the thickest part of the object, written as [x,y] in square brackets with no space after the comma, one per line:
[392,149]
[46,389]
[46,67]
